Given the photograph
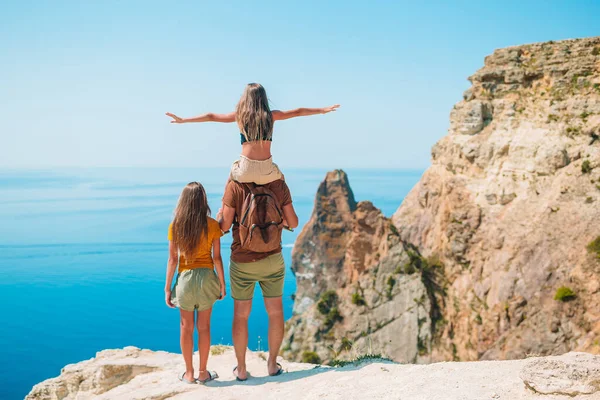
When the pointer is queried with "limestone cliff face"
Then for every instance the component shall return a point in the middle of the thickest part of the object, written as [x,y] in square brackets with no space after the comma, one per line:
[510,202]
[478,249]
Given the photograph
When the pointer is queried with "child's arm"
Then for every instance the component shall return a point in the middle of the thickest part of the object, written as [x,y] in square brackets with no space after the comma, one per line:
[208,117]
[171,266]
[219,265]
[279,115]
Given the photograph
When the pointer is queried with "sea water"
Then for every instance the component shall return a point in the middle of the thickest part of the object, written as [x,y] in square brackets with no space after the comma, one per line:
[83,257]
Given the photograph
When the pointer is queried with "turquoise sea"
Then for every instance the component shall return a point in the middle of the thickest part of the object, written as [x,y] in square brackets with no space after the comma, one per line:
[83,255]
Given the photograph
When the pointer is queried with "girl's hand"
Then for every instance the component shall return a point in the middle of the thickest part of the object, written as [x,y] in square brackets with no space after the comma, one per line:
[176,119]
[328,109]
[223,292]
[168,299]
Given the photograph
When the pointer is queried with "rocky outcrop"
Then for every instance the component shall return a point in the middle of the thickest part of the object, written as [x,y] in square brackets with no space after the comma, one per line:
[570,375]
[325,236]
[131,373]
[491,255]
[350,298]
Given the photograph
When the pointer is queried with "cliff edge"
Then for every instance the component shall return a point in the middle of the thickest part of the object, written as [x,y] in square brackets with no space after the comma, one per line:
[131,373]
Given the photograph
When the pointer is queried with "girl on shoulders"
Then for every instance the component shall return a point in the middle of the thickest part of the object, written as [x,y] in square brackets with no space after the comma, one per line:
[255,121]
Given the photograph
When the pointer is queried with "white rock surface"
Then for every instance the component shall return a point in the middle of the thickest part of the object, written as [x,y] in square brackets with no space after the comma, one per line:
[570,374]
[131,373]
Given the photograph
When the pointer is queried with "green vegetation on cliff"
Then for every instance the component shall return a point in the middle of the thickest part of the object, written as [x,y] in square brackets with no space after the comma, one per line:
[564,293]
[358,299]
[311,357]
[594,247]
[327,306]
[586,167]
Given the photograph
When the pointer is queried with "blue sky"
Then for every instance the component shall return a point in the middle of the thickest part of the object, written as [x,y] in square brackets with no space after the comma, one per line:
[88,83]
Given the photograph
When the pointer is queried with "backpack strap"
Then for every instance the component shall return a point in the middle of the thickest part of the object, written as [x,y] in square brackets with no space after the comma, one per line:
[249,193]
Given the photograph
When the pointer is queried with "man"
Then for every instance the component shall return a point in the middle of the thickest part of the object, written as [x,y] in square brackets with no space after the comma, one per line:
[248,267]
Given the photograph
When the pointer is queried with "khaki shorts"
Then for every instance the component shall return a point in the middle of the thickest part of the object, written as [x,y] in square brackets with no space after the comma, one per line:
[196,289]
[246,170]
[268,272]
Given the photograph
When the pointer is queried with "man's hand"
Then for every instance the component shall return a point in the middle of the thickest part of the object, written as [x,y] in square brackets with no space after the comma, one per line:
[168,298]
[223,291]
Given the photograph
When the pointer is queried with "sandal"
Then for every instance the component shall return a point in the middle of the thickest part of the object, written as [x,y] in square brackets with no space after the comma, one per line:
[237,378]
[212,375]
[183,379]
[279,371]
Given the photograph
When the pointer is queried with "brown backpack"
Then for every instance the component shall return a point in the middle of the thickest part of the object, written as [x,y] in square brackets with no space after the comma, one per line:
[261,220]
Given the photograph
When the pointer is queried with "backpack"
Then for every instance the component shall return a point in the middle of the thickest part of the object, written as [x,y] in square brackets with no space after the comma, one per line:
[261,221]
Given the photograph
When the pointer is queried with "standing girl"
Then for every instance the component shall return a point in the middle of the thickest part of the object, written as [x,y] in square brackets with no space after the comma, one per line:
[255,121]
[194,245]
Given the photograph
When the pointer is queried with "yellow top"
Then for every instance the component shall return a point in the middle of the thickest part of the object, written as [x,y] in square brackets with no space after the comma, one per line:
[203,258]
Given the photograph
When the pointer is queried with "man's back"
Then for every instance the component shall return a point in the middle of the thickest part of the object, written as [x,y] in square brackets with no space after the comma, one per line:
[234,197]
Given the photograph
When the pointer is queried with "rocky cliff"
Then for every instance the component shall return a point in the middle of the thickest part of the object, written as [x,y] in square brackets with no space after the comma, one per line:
[131,373]
[353,296]
[495,253]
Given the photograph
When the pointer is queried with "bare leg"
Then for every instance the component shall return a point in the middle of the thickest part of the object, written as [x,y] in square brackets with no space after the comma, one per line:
[274,307]
[186,341]
[241,312]
[203,326]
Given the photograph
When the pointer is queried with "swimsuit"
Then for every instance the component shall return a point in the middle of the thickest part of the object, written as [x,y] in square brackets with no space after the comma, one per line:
[244,140]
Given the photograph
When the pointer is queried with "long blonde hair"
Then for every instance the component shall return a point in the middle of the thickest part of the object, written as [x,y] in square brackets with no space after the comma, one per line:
[253,114]
[190,222]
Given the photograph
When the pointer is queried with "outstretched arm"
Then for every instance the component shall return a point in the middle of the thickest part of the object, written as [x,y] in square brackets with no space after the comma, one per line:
[208,117]
[279,115]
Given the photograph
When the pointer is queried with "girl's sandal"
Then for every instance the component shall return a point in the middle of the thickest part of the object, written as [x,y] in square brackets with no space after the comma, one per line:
[183,379]
[212,375]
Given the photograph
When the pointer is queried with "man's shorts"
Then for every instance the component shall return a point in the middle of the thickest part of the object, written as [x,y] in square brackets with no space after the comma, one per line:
[268,272]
